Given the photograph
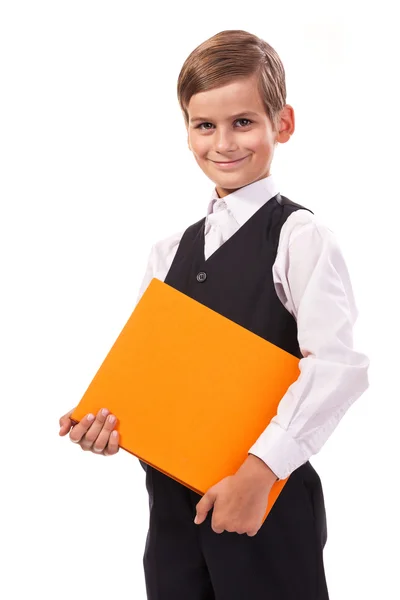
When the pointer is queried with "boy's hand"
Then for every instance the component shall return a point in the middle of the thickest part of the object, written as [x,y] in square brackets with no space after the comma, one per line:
[240,500]
[92,433]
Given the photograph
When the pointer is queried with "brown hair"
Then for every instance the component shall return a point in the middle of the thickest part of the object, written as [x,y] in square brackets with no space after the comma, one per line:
[230,55]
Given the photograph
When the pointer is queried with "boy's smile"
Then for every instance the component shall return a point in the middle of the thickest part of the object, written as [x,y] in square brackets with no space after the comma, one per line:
[231,163]
[231,136]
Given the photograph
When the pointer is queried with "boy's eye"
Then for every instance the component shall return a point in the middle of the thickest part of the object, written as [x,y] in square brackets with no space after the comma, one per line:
[201,124]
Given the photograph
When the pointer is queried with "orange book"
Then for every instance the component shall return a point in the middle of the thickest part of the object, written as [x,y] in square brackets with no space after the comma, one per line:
[191,389]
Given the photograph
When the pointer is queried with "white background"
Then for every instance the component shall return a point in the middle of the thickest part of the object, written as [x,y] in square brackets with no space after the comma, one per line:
[94,170]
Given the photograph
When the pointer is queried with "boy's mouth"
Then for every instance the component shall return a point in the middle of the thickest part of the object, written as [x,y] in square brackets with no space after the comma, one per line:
[229,163]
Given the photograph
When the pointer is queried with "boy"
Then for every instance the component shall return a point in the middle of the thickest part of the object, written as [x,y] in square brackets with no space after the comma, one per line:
[267,264]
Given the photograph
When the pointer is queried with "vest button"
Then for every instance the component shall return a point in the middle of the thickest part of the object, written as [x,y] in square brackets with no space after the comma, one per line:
[201,276]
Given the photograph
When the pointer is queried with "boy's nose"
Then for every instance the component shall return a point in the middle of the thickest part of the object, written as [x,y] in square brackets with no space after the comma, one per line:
[225,142]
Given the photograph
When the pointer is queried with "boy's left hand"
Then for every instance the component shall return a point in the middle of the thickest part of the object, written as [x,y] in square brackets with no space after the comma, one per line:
[239,500]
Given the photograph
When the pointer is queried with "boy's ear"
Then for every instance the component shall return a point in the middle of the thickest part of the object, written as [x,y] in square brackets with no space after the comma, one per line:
[286,124]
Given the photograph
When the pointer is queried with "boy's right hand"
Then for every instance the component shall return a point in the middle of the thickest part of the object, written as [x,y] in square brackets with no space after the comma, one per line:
[92,433]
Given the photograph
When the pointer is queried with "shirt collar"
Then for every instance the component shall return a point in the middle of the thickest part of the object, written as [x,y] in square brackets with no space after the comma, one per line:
[245,201]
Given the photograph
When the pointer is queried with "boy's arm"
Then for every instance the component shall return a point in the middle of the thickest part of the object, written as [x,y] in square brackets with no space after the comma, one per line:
[149,274]
[313,283]
[160,260]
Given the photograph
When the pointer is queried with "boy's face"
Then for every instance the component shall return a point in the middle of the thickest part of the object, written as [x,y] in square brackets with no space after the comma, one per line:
[220,136]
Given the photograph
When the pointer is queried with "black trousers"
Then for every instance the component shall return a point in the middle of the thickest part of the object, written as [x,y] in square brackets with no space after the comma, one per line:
[283,561]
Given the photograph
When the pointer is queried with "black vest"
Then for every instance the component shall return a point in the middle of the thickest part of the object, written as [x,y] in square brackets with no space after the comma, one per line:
[236,280]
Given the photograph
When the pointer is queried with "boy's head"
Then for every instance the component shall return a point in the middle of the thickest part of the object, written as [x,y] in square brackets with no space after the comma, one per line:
[233,73]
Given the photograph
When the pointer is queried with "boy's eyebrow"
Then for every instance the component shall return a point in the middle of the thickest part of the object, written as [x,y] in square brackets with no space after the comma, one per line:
[242,114]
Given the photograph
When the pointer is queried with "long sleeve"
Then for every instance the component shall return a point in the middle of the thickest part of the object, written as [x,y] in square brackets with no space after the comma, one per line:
[312,282]
[160,260]
[148,275]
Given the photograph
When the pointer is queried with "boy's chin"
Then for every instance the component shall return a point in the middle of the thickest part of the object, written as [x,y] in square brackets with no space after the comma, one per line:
[232,180]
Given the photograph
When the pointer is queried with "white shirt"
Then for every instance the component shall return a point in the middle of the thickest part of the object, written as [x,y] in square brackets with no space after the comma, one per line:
[312,282]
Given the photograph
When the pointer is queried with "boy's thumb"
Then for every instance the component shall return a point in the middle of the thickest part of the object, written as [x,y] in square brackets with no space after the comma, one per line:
[202,508]
[63,429]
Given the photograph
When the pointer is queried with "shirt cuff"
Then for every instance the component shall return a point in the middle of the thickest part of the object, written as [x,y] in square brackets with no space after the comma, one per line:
[279,451]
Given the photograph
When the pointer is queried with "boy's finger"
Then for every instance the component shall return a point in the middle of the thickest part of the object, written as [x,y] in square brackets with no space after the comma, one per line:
[205,505]
[65,428]
[102,438]
[77,432]
[99,431]
[112,446]
[65,422]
